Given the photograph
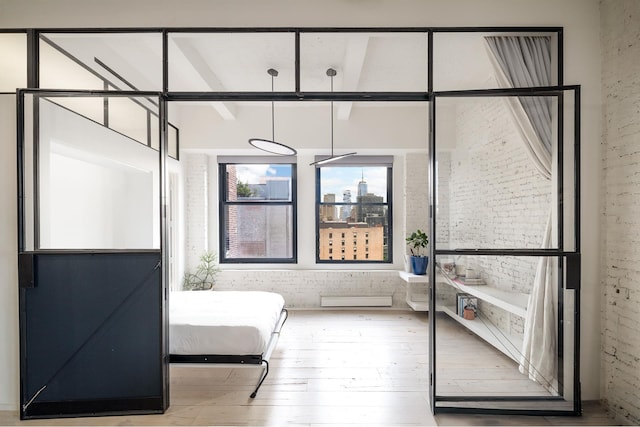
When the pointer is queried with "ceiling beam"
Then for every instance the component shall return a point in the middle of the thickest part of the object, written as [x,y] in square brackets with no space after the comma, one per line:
[226,110]
[353,62]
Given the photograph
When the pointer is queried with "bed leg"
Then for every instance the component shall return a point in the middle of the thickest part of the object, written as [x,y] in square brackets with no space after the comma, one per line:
[265,372]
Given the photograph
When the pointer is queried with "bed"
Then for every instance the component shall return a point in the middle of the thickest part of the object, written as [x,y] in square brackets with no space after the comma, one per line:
[225,327]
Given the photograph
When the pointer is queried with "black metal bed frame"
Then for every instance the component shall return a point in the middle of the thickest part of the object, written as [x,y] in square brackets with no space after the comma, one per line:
[244,359]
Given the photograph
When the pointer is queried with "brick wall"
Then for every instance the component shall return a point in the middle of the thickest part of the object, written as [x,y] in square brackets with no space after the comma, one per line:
[416,192]
[620,278]
[302,288]
[196,181]
[496,199]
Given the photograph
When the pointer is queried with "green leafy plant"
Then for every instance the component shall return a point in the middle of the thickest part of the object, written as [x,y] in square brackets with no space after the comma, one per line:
[204,277]
[418,241]
[243,189]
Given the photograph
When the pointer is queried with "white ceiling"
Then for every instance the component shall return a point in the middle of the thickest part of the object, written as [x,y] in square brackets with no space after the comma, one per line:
[238,62]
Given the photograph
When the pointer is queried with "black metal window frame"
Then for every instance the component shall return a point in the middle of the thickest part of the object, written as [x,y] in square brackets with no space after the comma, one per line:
[388,204]
[224,203]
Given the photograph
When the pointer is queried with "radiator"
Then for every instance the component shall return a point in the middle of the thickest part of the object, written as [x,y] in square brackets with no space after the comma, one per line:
[357,301]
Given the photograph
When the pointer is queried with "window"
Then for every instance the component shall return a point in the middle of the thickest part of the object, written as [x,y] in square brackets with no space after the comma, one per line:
[257,210]
[359,190]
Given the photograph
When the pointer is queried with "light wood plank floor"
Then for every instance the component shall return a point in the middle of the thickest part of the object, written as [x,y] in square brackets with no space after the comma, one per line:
[334,368]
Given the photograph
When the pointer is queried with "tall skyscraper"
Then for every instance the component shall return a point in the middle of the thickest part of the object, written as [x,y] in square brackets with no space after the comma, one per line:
[362,187]
[345,210]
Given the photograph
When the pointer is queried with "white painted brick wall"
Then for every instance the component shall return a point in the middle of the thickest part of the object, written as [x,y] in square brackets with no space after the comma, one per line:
[416,192]
[196,181]
[497,199]
[443,210]
[303,288]
[620,278]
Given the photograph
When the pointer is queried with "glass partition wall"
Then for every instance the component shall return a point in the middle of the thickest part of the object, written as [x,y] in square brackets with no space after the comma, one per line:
[505,303]
[90,259]
[501,229]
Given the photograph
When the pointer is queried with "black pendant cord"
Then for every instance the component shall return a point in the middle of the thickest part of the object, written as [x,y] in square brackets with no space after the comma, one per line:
[332,117]
[273,121]
[331,73]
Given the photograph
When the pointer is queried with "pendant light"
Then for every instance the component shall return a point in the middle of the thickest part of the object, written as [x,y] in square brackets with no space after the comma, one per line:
[331,73]
[271,146]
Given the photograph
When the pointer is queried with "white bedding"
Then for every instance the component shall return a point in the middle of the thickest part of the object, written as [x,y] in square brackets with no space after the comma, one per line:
[222,322]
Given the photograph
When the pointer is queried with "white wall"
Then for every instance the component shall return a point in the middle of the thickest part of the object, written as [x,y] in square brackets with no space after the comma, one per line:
[620,275]
[580,19]
[115,204]
[9,367]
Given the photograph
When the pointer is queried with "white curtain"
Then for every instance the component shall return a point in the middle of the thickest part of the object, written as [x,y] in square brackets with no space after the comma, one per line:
[526,62]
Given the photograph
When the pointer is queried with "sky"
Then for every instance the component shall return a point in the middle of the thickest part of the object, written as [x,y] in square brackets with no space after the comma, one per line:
[334,179]
[337,179]
[252,174]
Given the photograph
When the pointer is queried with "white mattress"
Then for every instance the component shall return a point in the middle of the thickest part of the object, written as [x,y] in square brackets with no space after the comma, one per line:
[222,322]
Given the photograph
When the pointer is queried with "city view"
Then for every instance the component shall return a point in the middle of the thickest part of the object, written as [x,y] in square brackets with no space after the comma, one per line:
[353,214]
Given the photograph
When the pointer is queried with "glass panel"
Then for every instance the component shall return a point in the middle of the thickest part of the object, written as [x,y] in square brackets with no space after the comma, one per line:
[59,71]
[455,54]
[28,174]
[153,137]
[347,184]
[231,62]
[122,61]
[129,117]
[260,182]
[490,191]
[115,204]
[497,340]
[13,67]
[173,150]
[259,231]
[364,62]
[569,201]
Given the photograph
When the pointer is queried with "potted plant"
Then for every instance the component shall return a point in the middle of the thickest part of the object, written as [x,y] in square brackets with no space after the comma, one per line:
[204,277]
[418,241]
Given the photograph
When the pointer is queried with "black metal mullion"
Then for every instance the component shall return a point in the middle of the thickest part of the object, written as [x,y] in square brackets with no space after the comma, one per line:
[165,61]
[430,61]
[560,48]
[317,213]
[577,391]
[164,250]
[297,61]
[149,130]
[20,170]
[560,236]
[33,81]
[105,105]
[432,255]
[294,207]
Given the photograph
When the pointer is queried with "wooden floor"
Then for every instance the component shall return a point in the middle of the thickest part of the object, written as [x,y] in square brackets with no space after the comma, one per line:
[338,368]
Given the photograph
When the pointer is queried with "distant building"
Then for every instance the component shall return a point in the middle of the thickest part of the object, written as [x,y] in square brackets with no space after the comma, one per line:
[349,241]
[345,210]
[364,210]
[328,212]
[259,231]
[363,188]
